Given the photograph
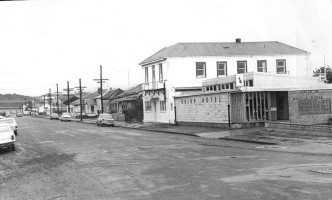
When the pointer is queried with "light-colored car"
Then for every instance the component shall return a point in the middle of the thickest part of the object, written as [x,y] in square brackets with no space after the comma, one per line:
[12,124]
[7,137]
[65,117]
[105,119]
[54,116]
[19,114]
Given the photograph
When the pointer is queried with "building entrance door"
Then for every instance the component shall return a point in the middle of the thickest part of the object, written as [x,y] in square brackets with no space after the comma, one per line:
[282,105]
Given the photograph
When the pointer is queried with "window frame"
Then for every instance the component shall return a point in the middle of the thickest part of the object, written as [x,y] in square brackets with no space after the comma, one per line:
[225,69]
[204,70]
[262,61]
[285,69]
[148,105]
[146,75]
[162,106]
[161,75]
[246,66]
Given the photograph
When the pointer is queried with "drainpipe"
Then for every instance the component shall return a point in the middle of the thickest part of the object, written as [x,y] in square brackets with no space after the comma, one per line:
[175,116]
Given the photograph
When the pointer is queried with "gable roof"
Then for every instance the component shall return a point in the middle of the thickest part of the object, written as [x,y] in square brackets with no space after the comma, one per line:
[108,94]
[225,49]
[134,90]
[131,92]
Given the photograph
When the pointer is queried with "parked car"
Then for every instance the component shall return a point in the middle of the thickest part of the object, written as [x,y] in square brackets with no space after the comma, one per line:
[105,119]
[12,124]
[7,137]
[65,117]
[54,116]
[19,114]
[2,117]
[26,113]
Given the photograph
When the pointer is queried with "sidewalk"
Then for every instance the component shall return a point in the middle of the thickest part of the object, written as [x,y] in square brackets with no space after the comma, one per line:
[259,137]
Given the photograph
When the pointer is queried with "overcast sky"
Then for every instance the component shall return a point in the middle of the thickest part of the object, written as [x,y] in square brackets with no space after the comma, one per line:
[45,42]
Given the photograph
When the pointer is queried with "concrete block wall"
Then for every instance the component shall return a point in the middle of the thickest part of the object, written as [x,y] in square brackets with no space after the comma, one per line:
[206,108]
[310,106]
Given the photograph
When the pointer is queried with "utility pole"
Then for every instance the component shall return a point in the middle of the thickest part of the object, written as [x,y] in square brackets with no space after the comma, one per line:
[57,98]
[50,94]
[101,81]
[80,87]
[68,90]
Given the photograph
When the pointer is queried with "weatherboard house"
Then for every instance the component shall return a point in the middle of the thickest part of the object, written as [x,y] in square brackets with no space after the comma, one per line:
[235,83]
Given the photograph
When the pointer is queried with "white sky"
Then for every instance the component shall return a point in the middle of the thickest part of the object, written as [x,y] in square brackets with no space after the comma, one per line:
[44,42]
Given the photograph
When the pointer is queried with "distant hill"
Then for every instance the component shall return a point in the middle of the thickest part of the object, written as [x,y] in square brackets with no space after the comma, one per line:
[14,97]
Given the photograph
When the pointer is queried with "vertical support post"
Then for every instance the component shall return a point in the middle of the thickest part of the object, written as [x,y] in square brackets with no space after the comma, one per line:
[256,101]
[269,105]
[229,112]
[175,115]
[101,90]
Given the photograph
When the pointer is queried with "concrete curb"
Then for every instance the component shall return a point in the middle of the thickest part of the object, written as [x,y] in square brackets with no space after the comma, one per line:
[249,141]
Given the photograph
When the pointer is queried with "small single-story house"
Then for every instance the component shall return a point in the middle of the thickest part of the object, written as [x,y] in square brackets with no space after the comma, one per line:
[125,100]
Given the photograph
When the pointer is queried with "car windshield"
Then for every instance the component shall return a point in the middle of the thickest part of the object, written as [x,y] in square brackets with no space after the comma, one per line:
[6,121]
[4,129]
[106,116]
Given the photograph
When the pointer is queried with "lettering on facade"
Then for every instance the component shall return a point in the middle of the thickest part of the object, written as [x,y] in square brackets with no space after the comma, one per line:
[314,105]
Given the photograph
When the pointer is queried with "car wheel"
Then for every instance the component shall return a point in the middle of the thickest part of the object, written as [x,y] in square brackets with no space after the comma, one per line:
[112,125]
[15,132]
[13,147]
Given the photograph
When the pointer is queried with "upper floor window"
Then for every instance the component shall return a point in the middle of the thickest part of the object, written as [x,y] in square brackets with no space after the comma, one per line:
[261,66]
[221,69]
[241,67]
[161,77]
[200,69]
[281,66]
[146,75]
[153,74]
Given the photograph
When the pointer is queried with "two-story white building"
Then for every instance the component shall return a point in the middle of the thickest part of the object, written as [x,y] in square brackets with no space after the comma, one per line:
[180,70]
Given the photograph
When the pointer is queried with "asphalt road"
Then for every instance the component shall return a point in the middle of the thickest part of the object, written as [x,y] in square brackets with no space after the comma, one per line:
[68,160]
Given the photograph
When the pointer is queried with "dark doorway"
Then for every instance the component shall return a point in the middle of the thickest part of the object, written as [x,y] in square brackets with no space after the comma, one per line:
[282,105]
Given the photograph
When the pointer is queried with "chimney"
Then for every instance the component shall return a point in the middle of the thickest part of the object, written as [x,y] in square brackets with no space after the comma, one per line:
[238,40]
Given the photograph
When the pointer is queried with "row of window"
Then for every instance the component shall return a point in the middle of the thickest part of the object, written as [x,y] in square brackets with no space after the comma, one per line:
[162,105]
[226,86]
[241,67]
[161,76]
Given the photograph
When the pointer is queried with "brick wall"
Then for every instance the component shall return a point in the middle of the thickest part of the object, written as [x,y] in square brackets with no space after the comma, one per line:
[207,108]
[310,106]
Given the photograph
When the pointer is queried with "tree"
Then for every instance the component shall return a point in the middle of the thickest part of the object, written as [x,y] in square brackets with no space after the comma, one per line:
[321,70]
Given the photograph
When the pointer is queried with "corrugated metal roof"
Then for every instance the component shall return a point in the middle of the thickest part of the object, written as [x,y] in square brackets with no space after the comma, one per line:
[225,49]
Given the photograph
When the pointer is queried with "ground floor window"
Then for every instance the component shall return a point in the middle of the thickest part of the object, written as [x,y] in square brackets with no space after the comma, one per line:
[148,106]
[92,109]
[162,106]
[124,105]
